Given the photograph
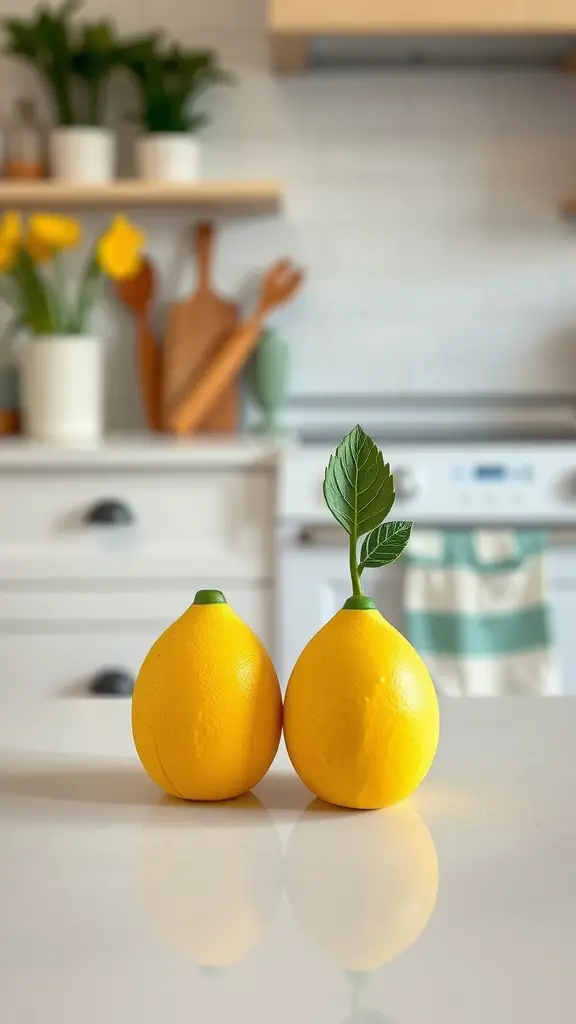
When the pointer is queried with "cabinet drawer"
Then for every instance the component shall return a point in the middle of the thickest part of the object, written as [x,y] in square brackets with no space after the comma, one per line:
[184,523]
[51,645]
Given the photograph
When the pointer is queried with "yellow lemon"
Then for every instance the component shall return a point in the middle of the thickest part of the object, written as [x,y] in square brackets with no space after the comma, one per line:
[210,878]
[363,887]
[207,709]
[361,714]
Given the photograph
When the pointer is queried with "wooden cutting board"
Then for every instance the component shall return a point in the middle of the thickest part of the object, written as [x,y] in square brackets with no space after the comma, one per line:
[195,330]
[279,285]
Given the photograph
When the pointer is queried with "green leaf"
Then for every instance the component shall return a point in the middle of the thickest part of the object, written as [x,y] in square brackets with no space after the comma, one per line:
[170,80]
[358,486]
[384,544]
[89,291]
[34,306]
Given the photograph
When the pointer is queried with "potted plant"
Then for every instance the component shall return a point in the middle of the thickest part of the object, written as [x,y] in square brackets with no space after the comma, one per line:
[74,62]
[61,364]
[171,81]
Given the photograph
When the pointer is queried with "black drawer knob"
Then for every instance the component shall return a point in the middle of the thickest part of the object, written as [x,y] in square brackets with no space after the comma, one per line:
[110,512]
[112,682]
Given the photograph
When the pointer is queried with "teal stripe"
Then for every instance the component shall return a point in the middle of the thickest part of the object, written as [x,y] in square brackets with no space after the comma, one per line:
[449,633]
[458,549]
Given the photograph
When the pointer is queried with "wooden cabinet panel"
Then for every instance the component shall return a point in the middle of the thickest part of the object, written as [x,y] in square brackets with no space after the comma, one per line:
[312,17]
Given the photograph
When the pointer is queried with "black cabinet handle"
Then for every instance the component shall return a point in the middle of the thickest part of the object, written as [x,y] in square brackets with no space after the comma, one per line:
[109,512]
[112,682]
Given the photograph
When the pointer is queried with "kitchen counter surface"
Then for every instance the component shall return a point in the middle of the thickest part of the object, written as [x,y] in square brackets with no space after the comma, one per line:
[120,906]
[146,450]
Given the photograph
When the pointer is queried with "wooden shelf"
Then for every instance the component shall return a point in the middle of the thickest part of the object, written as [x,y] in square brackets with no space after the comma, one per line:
[372,17]
[222,197]
[293,24]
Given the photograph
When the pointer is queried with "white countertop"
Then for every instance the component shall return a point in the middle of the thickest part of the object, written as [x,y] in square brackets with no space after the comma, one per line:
[146,450]
[115,903]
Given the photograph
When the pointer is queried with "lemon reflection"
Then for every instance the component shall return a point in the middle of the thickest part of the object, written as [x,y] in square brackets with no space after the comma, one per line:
[209,877]
[363,885]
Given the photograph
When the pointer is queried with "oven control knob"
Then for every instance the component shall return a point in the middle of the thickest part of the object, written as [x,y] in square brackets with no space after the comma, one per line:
[406,484]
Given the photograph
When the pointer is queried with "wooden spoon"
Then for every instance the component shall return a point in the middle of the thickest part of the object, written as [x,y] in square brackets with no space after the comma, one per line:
[279,285]
[137,294]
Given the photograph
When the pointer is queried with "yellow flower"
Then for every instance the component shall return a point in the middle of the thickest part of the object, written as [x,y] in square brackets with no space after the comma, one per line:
[53,231]
[10,238]
[119,250]
[7,257]
[39,251]
[10,230]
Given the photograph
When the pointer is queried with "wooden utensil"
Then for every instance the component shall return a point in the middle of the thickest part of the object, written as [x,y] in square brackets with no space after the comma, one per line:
[196,327]
[10,422]
[279,285]
[137,294]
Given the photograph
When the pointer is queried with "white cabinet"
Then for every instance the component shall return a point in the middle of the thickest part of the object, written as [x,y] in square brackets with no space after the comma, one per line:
[178,523]
[84,589]
[52,644]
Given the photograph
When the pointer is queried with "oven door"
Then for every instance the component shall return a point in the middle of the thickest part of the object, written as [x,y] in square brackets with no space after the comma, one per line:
[315,583]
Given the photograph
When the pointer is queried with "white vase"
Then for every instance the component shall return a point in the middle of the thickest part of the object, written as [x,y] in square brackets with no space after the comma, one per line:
[168,156]
[82,154]
[62,389]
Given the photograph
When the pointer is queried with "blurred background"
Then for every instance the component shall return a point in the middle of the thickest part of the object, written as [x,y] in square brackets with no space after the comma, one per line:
[170,393]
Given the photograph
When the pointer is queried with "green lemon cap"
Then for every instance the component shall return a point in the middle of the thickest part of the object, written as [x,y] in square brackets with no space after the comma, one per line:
[359,603]
[209,597]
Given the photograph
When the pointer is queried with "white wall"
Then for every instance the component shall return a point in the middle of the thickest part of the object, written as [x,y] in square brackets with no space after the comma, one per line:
[424,206]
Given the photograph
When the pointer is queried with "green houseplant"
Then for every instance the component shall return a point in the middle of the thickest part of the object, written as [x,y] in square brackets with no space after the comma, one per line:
[171,80]
[73,61]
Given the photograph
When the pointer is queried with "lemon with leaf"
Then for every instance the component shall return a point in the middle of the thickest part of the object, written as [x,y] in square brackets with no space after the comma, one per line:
[361,716]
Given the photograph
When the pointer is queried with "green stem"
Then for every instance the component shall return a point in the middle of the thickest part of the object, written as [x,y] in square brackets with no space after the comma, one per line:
[56,294]
[93,90]
[89,291]
[354,574]
[62,89]
[36,311]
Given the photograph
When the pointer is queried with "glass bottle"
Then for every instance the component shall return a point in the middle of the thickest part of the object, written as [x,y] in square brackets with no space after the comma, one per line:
[24,158]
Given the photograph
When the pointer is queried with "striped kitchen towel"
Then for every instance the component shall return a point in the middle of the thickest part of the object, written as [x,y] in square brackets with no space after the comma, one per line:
[476,608]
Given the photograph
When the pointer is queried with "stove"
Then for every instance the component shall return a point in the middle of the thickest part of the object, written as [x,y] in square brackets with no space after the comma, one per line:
[468,461]
[520,483]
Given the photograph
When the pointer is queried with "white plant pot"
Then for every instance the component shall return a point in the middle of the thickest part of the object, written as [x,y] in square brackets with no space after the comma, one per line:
[168,156]
[62,383]
[82,154]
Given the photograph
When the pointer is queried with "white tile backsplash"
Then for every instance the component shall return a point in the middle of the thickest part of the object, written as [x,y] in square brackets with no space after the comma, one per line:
[423,204]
